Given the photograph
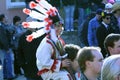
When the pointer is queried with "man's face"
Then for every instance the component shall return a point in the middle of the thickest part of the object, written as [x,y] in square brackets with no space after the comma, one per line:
[107,19]
[98,16]
[97,62]
[116,49]
[59,29]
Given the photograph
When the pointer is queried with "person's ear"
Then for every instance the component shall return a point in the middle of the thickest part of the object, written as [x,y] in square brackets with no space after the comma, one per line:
[88,63]
[110,49]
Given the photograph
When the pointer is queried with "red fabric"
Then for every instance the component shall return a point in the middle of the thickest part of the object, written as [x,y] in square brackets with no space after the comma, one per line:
[32,4]
[54,65]
[42,71]
[78,74]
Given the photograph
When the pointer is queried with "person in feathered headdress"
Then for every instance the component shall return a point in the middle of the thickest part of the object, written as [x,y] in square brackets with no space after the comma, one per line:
[49,53]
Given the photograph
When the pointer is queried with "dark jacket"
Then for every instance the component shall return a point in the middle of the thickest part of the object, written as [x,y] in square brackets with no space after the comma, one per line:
[84,29]
[4,42]
[114,24]
[101,34]
[27,55]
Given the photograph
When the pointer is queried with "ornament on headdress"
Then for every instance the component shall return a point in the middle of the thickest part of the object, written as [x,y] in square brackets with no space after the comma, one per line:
[45,13]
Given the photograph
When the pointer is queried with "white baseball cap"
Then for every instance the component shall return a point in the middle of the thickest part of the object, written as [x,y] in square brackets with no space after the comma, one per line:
[108,5]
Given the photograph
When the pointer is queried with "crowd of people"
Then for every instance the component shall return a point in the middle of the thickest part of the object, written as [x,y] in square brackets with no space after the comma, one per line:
[39,53]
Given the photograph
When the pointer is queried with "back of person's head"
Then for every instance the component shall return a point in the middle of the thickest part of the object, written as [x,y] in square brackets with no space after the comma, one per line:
[2,16]
[71,50]
[111,68]
[85,54]
[16,19]
[99,11]
[110,39]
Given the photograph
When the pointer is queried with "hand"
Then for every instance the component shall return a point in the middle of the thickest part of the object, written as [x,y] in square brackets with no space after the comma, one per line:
[66,63]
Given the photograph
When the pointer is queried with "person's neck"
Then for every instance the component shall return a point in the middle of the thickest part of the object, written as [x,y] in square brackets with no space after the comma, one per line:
[90,75]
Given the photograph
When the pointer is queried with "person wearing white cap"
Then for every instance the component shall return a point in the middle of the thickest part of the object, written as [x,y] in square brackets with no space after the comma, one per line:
[108,7]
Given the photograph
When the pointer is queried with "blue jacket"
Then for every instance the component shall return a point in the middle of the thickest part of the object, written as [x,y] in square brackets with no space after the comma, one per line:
[92,28]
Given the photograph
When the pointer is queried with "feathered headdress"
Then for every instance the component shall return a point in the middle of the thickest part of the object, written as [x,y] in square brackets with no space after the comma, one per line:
[45,13]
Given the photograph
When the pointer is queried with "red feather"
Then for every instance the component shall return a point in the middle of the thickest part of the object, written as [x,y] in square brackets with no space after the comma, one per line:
[29,38]
[25,24]
[26,11]
[32,4]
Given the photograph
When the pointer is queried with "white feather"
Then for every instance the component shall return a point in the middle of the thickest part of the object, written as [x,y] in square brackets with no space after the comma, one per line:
[41,9]
[38,33]
[45,4]
[37,15]
[35,24]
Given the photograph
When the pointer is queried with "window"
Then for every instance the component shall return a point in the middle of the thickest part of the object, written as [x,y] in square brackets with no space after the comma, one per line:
[15,4]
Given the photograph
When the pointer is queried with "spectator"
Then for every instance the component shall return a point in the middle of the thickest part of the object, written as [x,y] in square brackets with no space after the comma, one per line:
[94,23]
[83,6]
[18,31]
[72,50]
[84,30]
[90,60]
[5,51]
[108,7]
[105,29]
[111,68]
[27,55]
[112,43]
[69,8]
[115,19]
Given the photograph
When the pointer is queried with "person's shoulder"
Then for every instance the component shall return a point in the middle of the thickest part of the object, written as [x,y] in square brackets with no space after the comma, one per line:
[93,20]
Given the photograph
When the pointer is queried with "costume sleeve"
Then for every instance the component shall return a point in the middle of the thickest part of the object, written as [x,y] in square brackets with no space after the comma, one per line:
[44,60]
